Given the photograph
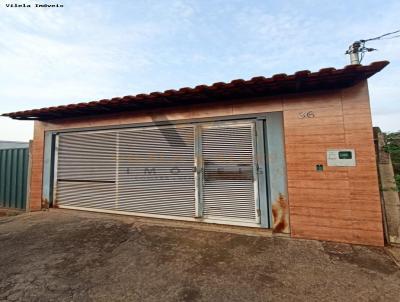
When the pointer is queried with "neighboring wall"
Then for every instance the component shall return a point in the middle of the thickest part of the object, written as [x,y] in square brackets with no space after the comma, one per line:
[14,165]
[391,200]
[338,204]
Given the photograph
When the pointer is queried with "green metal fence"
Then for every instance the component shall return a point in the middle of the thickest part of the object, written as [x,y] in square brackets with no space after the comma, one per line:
[13,177]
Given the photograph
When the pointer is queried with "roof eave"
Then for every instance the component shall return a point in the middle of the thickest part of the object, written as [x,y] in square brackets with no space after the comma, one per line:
[301,81]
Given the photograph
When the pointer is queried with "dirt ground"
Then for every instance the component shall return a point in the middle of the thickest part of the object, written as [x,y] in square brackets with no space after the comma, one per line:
[76,256]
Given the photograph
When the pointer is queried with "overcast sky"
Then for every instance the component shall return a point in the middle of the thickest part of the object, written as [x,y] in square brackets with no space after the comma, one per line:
[90,50]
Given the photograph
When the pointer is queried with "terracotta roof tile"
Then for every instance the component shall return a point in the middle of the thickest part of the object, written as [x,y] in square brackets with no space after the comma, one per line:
[300,81]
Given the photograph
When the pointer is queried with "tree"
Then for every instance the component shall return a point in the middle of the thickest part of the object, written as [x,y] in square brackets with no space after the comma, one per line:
[392,146]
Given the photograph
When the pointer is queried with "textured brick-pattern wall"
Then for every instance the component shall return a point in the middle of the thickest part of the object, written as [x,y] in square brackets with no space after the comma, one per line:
[339,203]
[35,193]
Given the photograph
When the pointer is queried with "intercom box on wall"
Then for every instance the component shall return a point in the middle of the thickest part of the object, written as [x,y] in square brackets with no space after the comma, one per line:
[341,158]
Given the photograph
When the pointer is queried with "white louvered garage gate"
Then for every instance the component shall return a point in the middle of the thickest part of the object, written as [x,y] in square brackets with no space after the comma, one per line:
[155,171]
[86,166]
[201,172]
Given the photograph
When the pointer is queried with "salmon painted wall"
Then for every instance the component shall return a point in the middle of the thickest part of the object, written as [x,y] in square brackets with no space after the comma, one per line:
[339,204]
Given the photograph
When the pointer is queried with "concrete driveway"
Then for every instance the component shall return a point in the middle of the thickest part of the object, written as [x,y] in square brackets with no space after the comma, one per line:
[76,256]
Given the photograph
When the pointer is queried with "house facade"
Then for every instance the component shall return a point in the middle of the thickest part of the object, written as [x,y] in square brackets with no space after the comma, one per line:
[291,153]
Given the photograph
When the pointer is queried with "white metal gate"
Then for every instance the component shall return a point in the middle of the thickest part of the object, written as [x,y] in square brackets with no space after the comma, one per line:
[141,170]
[155,171]
[230,178]
[203,171]
[85,169]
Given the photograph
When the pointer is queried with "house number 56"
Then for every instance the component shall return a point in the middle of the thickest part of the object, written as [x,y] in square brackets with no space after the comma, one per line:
[306,114]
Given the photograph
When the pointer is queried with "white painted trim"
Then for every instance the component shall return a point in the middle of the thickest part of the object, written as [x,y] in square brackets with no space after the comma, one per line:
[231,221]
[117,170]
[55,167]
[198,161]
[255,173]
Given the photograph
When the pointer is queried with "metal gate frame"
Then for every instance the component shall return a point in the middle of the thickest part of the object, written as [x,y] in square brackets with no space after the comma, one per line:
[200,169]
[262,166]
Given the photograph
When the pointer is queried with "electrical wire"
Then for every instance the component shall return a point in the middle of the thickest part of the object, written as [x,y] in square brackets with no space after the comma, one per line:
[381,36]
[394,37]
[362,56]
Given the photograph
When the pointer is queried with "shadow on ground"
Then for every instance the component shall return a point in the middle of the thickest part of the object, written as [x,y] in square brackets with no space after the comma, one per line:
[76,256]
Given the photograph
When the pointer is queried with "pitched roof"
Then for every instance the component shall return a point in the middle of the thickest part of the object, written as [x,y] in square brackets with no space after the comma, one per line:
[301,81]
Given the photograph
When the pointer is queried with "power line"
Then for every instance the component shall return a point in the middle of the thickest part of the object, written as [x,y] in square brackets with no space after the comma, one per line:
[391,37]
[381,36]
